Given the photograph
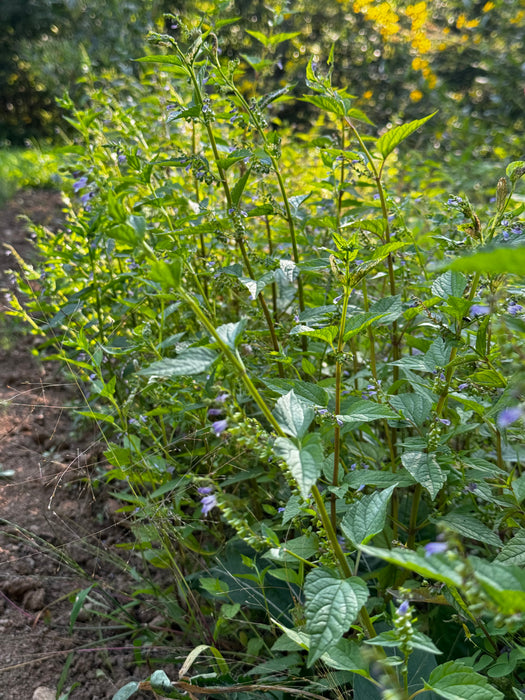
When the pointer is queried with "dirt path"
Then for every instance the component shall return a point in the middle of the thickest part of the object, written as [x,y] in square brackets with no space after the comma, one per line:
[53,533]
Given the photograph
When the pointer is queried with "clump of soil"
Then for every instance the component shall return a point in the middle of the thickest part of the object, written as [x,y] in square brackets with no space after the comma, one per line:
[55,536]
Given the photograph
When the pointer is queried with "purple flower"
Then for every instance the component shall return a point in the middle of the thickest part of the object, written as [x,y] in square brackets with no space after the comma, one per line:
[445,421]
[509,416]
[208,503]
[463,386]
[479,310]
[514,308]
[204,490]
[403,608]
[281,509]
[214,412]
[435,548]
[219,426]
[80,184]
[221,398]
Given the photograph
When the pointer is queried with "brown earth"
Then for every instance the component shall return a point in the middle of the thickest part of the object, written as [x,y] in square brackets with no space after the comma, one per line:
[56,534]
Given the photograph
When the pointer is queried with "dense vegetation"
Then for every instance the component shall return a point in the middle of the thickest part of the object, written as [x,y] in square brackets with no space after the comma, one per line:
[304,349]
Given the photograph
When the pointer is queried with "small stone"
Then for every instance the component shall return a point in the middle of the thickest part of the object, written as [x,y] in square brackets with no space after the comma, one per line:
[34,600]
[44,693]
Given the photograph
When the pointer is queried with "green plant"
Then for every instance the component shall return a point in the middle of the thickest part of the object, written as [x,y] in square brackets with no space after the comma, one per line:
[309,378]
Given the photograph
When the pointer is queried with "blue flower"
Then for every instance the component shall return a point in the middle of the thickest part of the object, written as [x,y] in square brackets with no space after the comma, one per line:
[403,608]
[463,386]
[435,548]
[509,416]
[479,310]
[514,308]
[214,412]
[208,503]
[205,490]
[219,426]
[80,184]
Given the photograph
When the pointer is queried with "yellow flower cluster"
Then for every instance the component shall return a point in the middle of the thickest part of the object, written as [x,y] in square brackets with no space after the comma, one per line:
[382,15]
[488,6]
[463,23]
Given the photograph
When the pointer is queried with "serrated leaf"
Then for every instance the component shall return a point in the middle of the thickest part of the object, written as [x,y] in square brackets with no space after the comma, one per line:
[389,141]
[449,284]
[231,332]
[415,408]
[505,584]
[255,287]
[365,411]
[390,307]
[418,640]
[469,526]
[190,362]
[456,681]
[332,604]
[438,355]
[370,477]
[425,470]
[167,274]
[518,488]
[312,393]
[507,260]
[293,415]
[366,517]
[359,322]
[126,691]
[375,226]
[326,103]
[289,269]
[513,553]
[435,567]
[232,158]
[304,462]
[515,170]
[326,334]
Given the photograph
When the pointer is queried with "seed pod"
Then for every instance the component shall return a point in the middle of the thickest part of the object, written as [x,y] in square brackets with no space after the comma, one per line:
[502,189]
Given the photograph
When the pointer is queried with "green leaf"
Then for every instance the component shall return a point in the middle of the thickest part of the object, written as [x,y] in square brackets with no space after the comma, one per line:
[189,362]
[214,586]
[436,566]
[255,287]
[415,408]
[293,415]
[168,275]
[497,261]
[77,606]
[359,322]
[391,639]
[161,685]
[389,141]
[365,411]
[449,284]
[332,604]
[366,517]
[505,584]
[456,681]
[515,170]
[238,188]
[370,477]
[518,488]
[425,470]
[375,226]
[327,334]
[232,158]
[312,393]
[230,333]
[469,526]
[327,103]
[304,462]
[390,307]
[344,656]
[126,691]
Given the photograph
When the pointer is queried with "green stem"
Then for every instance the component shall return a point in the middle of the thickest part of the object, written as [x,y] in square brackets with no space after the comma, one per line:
[254,393]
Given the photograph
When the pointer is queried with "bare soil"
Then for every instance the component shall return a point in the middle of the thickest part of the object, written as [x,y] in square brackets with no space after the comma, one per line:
[57,536]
